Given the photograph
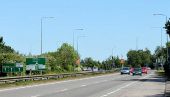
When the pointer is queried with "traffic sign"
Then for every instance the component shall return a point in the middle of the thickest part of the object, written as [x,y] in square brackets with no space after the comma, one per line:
[19,65]
[35,64]
[12,67]
[31,67]
[122,61]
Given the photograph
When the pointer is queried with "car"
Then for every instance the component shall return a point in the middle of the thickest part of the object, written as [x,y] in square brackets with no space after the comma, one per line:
[144,70]
[131,70]
[148,68]
[137,71]
[125,70]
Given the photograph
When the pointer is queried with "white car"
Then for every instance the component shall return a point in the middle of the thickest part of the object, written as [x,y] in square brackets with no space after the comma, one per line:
[125,70]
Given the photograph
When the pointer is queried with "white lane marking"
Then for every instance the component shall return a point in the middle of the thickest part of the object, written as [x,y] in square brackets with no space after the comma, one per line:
[118,89]
[63,90]
[35,96]
[105,95]
[56,82]
[83,85]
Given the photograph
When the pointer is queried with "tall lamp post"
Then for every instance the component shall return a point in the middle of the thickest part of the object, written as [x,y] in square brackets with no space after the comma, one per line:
[78,42]
[166,19]
[73,35]
[161,57]
[161,33]
[42,18]
[73,45]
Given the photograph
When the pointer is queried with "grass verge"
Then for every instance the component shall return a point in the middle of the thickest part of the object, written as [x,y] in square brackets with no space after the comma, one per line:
[160,72]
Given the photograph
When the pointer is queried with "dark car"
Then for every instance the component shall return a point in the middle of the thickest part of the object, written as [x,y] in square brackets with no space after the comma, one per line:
[137,71]
[125,70]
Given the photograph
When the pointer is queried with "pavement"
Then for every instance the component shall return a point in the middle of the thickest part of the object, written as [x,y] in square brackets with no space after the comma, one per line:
[112,85]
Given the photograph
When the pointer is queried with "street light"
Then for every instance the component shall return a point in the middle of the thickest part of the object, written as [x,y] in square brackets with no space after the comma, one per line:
[73,44]
[73,35]
[78,43]
[167,34]
[162,15]
[161,33]
[42,18]
[161,59]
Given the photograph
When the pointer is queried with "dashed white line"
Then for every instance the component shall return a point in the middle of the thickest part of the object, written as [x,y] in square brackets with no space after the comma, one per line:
[63,90]
[83,85]
[35,96]
[105,95]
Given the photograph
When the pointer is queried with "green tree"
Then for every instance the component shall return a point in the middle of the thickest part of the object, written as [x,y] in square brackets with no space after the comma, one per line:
[133,58]
[11,58]
[8,54]
[64,59]
[4,48]
[167,27]
[89,62]
[67,57]
[138,58]
[1,40]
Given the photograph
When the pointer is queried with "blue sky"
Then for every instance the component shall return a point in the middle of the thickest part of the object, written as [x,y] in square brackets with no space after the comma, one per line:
[109,25]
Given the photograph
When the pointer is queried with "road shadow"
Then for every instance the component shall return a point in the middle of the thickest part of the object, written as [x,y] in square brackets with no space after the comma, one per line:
[150,79]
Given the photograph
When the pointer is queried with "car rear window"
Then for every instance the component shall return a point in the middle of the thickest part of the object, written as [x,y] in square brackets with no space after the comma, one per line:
[126,68]
[136,69]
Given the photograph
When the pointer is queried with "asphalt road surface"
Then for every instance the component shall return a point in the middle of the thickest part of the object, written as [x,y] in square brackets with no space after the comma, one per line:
[112,85]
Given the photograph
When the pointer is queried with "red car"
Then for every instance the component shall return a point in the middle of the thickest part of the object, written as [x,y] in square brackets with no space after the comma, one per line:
[144,70]
[131,70]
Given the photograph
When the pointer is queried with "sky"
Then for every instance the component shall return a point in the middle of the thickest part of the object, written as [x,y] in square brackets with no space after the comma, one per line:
[110,27]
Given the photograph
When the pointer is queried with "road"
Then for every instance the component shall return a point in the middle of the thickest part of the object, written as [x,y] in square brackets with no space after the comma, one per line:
[112,85]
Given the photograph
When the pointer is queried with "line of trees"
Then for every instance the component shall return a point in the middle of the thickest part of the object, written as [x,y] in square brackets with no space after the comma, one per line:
[8,54]
[67,59]
[63,60]
[139,58]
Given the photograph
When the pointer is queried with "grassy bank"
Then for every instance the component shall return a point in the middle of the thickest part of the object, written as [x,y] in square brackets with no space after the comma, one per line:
[160,72]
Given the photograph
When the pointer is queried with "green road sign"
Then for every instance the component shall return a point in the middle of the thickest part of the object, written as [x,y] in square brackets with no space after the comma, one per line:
[12,67]
[9,65]
[35,63]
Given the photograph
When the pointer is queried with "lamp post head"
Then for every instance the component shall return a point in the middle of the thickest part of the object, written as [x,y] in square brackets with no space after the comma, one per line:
[158,14]
[47,17]
[79,29]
